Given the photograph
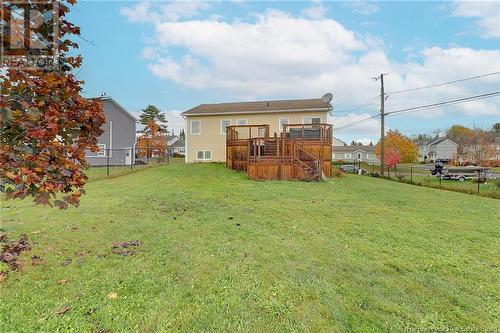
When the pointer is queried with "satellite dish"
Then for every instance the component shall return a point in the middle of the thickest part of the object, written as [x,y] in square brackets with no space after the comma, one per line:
[327,97]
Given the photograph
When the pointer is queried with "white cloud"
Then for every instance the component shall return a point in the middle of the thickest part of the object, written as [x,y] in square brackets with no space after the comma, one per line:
[138,13]
[356,124]
[284,56]
[149,53]
[486,13]
[172,11]
[316,11]
[363,7]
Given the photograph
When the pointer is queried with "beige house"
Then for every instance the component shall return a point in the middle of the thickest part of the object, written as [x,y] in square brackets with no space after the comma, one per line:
[206,124]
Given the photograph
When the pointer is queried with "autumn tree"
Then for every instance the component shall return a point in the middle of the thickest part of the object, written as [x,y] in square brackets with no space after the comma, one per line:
[392,157]
[152,114]
[46,124]
[482,148]
[153,143]
[460,134]
[396,141]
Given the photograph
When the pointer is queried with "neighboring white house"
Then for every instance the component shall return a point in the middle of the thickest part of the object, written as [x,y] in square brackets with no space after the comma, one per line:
[355,154]
[177,147]
[441,148]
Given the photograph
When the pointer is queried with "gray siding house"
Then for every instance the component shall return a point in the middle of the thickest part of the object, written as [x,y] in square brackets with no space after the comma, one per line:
[117,142]
[442,148]
[355,154]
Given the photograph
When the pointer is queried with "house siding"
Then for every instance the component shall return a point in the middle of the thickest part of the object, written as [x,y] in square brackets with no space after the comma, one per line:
[212,140]
[119,133]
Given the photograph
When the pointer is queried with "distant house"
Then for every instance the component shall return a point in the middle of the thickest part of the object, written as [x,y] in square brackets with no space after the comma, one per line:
[355,154]
[338,143]
[118,140]
[171,139]
[441,148]
[178,147]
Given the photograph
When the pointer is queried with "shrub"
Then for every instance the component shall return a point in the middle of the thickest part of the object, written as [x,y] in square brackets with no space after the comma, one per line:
[401,177]
[497,183]
[375,174]
[337,173]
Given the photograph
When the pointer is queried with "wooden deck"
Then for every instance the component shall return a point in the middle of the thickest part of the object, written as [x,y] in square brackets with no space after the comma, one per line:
[302,151]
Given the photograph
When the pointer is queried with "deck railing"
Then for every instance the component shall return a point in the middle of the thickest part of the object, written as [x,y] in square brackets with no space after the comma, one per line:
[240,133]
[315,132]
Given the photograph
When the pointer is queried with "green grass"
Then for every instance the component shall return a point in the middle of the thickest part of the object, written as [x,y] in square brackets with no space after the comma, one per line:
[222,253]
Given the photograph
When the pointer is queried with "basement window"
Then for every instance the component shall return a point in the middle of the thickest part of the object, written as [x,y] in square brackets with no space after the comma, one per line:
[204,155]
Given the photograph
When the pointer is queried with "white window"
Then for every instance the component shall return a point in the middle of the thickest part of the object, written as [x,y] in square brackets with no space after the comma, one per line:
[102,150]
[223,125]
[348,155]
[371,156]
[283,121]
[311,120]
[195,127]
[204,155]
[242,122]
[333,156]
[359,156]
[181,150]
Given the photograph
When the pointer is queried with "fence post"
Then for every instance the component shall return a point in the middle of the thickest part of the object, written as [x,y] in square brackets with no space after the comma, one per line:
[440,179]
[411,175]
[131,152]
[107,161]
[372,169]
[478,180]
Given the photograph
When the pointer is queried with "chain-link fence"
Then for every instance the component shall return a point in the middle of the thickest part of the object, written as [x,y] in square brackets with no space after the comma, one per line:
[120,161]
[481,181]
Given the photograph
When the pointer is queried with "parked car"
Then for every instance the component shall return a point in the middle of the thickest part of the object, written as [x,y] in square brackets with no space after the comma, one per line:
[350,168]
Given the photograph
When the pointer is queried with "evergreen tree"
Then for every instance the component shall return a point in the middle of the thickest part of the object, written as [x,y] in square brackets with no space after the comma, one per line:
[182,134]
[152,113]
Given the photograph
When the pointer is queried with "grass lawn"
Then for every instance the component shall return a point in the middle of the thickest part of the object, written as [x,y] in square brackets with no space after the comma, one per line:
[219,252]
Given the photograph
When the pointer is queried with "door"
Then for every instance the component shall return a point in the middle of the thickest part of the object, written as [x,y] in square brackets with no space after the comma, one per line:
[128,156]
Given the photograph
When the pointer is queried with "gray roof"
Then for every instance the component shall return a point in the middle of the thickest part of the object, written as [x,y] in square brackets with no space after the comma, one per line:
[115,103]
[351,149]
[295,105]
[177,144]
[440,140]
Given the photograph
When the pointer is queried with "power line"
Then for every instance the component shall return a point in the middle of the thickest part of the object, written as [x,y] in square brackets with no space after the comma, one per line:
[371,101]
[442,84]
[356,122]
[425,107]
[445,103]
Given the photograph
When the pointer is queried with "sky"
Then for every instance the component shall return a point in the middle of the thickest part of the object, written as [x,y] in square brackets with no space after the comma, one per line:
[179,54]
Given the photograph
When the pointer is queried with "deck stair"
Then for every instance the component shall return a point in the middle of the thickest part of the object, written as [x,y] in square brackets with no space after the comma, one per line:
[299,151]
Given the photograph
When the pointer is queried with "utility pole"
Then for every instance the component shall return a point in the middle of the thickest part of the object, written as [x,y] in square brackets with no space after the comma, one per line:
[382,124]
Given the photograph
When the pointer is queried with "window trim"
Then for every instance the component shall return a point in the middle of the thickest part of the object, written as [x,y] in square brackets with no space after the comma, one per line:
[204,155]
[347,155]
[191,127]
[223,130]
[280,126]
[238,122]
[311,123]
[98,153]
